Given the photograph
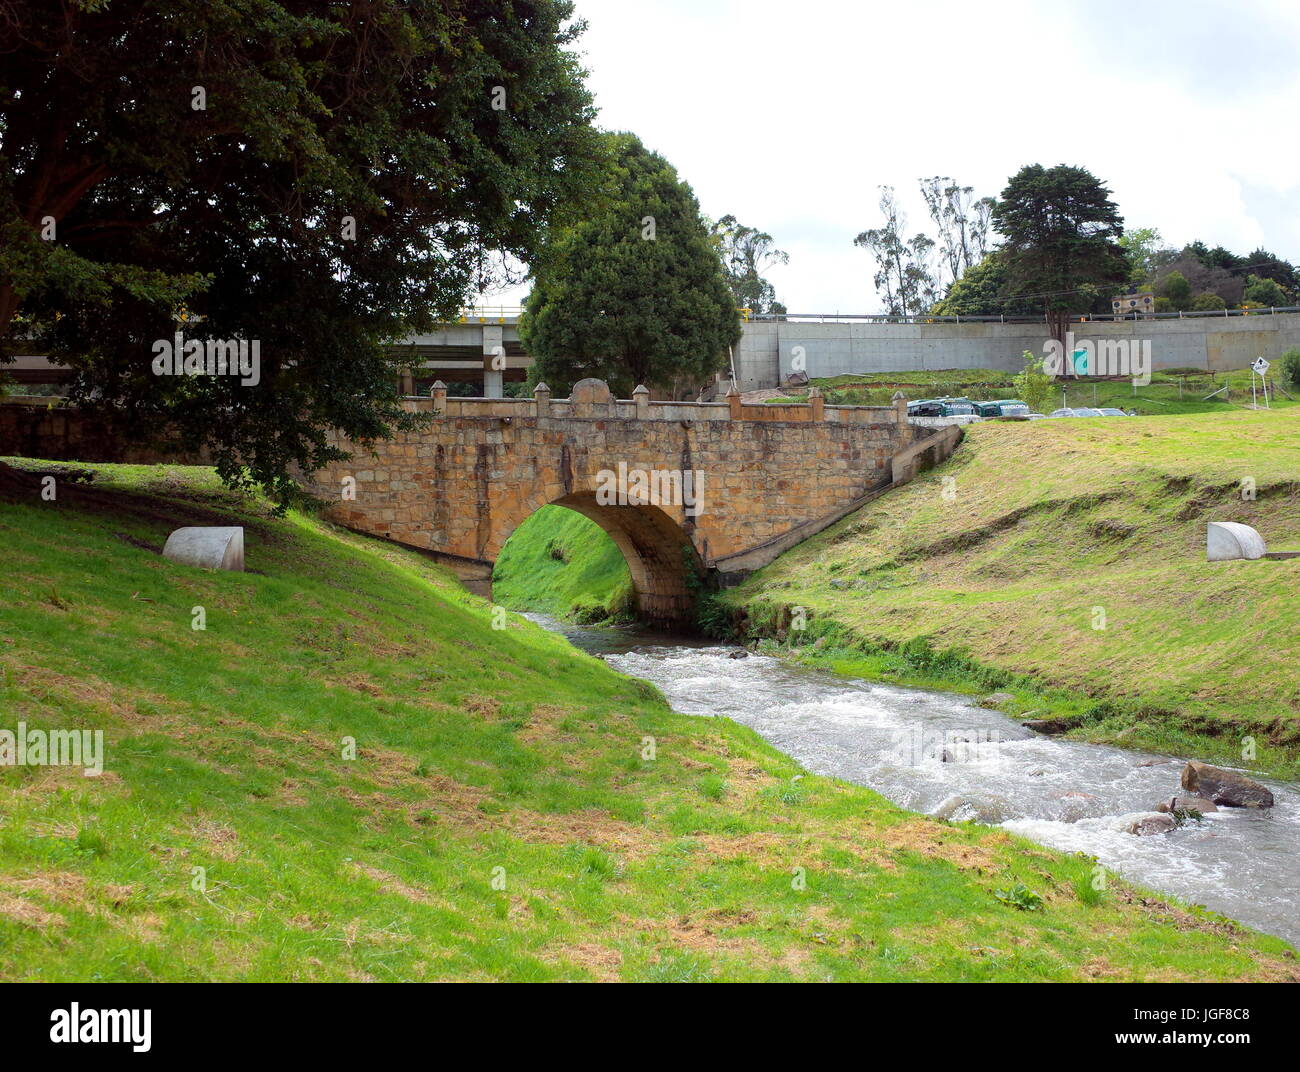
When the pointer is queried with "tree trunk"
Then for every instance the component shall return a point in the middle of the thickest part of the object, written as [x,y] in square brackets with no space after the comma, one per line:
[1058,322]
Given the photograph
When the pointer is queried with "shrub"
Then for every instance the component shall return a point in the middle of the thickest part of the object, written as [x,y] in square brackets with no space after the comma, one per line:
[1034,385]
[1207,301]
[1176,288]
[1020,896]
[1291,367]
[1265,292]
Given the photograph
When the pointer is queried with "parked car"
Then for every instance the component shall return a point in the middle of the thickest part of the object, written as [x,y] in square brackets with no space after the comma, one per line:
[1083,411]
[941,407]
[1110,412]
[1003,407]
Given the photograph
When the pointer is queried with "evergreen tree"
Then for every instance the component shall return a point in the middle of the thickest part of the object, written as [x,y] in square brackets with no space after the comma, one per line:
[635,293]
[1061,235]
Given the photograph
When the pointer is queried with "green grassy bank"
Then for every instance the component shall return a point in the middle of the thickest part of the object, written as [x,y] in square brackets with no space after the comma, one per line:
[561,563]
[1169,393]
[1065,560]
[514,810]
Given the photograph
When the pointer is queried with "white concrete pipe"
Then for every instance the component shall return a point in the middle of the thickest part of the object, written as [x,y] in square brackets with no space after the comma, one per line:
[207,548]
[1226,540]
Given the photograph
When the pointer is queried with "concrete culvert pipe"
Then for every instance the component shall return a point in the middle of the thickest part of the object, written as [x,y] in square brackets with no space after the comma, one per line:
[1228,540]
[208,548]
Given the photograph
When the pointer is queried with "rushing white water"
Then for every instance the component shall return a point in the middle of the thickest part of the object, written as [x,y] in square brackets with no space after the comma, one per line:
[1242,862]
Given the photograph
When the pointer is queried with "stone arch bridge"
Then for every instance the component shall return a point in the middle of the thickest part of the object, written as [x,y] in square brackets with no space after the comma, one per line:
[706,489]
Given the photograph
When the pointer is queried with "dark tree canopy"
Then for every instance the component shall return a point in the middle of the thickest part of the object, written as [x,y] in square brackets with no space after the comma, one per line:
[1060,233]
[635,292]
[320,178]
[982,290]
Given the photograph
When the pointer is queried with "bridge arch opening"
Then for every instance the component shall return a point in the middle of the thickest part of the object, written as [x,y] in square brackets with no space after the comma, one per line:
[661,560]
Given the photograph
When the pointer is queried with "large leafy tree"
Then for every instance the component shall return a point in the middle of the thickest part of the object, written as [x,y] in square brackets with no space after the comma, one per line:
[904,276]
[635,292]
[961,221]
[1269,266]
[746,254]
[320,178]
[1060,232]
[1146,254]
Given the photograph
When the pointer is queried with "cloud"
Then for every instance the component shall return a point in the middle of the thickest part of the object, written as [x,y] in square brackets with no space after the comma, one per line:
[791,116]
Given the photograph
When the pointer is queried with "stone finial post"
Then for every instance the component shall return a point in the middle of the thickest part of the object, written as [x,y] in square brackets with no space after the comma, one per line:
[542,400]
[438,392]
[817,403]
[733,402]
[641,396]
[900,417]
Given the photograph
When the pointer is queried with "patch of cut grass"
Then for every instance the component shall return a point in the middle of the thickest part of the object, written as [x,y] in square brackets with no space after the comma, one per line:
[560,563]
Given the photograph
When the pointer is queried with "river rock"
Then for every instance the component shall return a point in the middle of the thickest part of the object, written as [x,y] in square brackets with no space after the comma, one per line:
[739,653]
[996,699]
[1225,787]
[1155,823]
[1049,725]
[1199,804]
[974,807]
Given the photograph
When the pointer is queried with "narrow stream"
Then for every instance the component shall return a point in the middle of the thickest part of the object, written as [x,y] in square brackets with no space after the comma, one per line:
[1070,795]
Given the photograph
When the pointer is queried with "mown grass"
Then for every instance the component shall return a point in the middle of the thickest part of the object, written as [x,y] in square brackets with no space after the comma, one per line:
[1067,559]
[561,563]
[515,810]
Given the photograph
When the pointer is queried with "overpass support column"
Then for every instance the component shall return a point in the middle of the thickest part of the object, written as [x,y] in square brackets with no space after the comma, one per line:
[494,362]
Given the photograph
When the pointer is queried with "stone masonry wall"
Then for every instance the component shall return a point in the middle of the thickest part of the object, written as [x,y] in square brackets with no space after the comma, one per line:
[462,485]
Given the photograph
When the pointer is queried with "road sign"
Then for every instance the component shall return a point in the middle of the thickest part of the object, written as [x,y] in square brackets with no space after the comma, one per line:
[1257,368]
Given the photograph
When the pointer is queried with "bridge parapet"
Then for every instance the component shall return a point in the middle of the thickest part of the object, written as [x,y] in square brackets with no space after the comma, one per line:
[641,408]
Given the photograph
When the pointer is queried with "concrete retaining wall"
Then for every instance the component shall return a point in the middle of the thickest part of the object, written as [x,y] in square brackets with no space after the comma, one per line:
[765,353]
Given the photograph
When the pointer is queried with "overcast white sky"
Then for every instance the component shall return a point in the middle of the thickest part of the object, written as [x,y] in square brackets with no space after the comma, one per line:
[790,115]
